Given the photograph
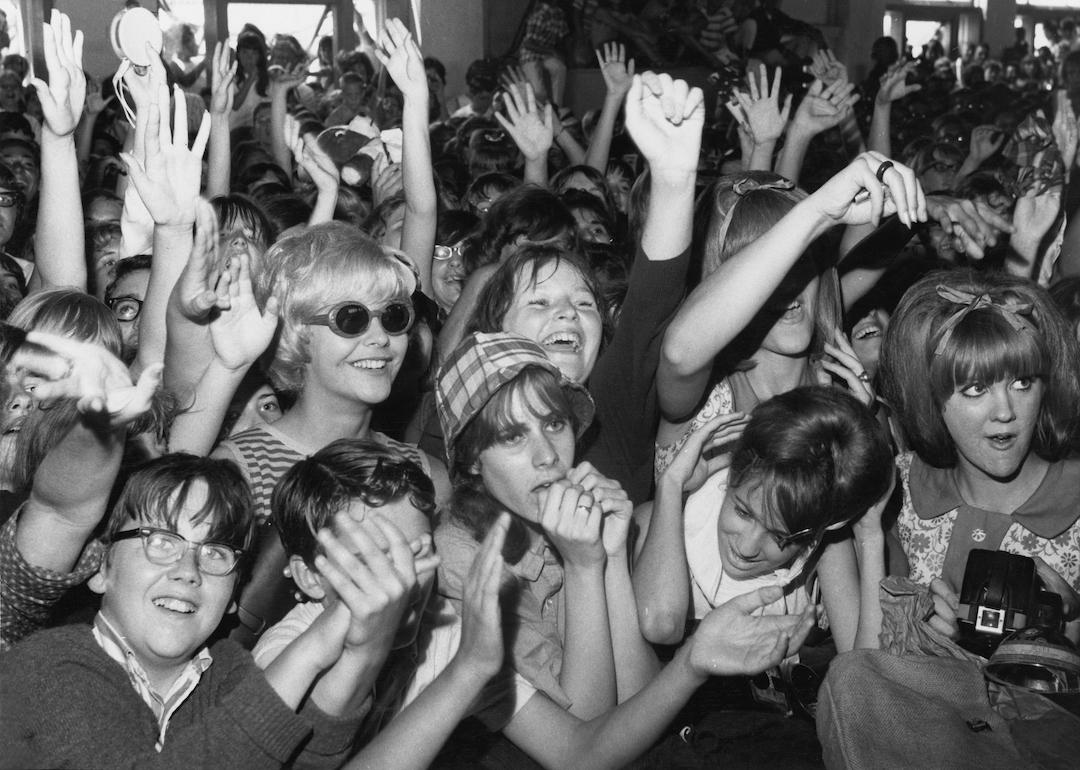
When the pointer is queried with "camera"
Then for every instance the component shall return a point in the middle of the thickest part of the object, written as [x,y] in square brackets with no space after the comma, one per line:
[1002,594]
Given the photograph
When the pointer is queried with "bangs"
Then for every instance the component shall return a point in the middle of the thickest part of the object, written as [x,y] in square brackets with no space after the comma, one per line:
[985,348]
[791,493]
[161,506]
[537,390]
[235,210]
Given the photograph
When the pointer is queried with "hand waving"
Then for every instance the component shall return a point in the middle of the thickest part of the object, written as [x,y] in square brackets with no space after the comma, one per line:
[401,56]
[893,84]
[530,126]
[223,81]
[761,108]
[617,72]
[63,97]
[824,107]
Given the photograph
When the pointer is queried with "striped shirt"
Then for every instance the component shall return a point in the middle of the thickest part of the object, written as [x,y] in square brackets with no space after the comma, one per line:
[164,705]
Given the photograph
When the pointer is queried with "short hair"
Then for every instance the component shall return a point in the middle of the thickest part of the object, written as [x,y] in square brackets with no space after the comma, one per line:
[284,210]
[580,200]
[126,267]
[491,150]
[314,489]
[237,208]
[471,504]
[495,182]
[69,313]
[431,63]
[156,491]
[354,60]
[982,347]
[302,267]
[560,184]
[818,456]
[527,212]
[498,293]
[482,75]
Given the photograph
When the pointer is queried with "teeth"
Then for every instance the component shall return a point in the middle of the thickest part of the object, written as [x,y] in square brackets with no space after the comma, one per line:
[869,331]
[564,339]
[370,363]
[176,605]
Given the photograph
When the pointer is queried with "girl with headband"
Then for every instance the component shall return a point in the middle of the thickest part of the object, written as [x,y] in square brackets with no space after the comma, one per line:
[983,372]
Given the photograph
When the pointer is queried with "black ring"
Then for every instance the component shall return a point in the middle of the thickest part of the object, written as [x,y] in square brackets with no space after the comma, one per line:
[882,169]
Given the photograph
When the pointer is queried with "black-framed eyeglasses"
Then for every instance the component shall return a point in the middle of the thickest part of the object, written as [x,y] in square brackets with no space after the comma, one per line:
[802,537]
[443,253]
[164,548]
[9,199]
[351,319]
[125,308]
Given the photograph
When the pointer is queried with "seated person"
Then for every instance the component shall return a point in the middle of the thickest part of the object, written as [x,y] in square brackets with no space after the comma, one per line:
[175,554]
[414,635]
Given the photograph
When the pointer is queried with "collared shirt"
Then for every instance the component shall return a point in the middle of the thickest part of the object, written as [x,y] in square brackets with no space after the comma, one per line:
[937,529]
[534,613]
[164,706]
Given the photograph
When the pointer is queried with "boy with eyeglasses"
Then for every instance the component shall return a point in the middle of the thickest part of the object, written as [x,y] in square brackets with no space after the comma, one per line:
[140,687]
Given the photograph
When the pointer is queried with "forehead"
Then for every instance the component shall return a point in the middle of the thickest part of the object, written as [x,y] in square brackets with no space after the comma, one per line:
[555,273]
[132,284]
[183,515]
[412,522]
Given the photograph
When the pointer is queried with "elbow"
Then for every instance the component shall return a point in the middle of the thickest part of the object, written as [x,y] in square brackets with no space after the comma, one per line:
[661,627]
[677,359]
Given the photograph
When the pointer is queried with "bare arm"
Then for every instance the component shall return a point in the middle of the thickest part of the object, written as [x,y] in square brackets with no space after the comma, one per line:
[61,250]
[222,95]
[532,129]
[618,74]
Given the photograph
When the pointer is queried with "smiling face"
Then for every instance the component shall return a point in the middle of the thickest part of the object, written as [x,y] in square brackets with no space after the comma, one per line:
[354,370]
[534,450]
[559,312]
[866,337]
[793,312]
[165,612]
[992,425]
[747,536]
[24,164]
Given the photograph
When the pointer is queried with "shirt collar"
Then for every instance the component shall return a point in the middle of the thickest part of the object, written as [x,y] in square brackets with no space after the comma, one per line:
[1049,512]
[532,562]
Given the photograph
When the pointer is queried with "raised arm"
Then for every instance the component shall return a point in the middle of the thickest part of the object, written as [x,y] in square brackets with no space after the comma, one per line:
[531,127]
[618,74]
[401,57]
[59,242]
[222,95]
[322,170]
[168,183]
[744,283]
[281,83]
[759,113]
[822,107]
[893,87]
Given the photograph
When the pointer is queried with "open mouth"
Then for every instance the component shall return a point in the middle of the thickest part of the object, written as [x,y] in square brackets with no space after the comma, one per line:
[1002,440]
[369,363]
[173,604]
[866,332]
[566,342]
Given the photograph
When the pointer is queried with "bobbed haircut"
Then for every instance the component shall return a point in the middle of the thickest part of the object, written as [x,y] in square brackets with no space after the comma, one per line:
[527,212]
[156,491]
[521,269]
[69,313]
[302,268]
[471,504]
[983,347]
[818,456]
[738,210]
[238,209]
[313,490]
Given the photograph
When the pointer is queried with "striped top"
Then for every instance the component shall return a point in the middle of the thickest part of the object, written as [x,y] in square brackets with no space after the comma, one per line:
[265,454]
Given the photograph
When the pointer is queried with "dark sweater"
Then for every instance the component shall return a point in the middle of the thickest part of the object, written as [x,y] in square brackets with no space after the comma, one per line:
[66,703]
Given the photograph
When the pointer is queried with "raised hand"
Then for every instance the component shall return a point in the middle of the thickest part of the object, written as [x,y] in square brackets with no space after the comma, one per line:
[730,641]
[1066,132]
[481,644]
[824,107]
[827,68]
[529,125]
[1036,212]
[856,195]
[168,181]
[985,141]
[222,80]
[284,80]
[972,226]
[195,294]
[690,467]
[841,361]
[893,84]
[571,520]
[617,72]
[241,332]
[665,118]
[310,157]
[761,109]
[63,96]
[401,56]
[98,381]
[513,75]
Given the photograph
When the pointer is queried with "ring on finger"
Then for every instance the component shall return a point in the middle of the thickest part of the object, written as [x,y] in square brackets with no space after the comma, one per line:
[864,376]
[882,169]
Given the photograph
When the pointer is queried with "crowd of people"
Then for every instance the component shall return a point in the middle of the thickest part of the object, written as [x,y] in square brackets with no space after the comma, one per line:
[356,427]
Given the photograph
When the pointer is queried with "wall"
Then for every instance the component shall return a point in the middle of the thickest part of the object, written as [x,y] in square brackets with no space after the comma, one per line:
[93,18]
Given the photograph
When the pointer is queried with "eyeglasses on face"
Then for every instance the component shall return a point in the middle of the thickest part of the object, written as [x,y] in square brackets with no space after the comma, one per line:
[443,253]
[163,547]
[125,308]
[351,319]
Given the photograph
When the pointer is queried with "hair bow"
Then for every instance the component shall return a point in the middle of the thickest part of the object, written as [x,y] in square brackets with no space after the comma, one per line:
[1011,310]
